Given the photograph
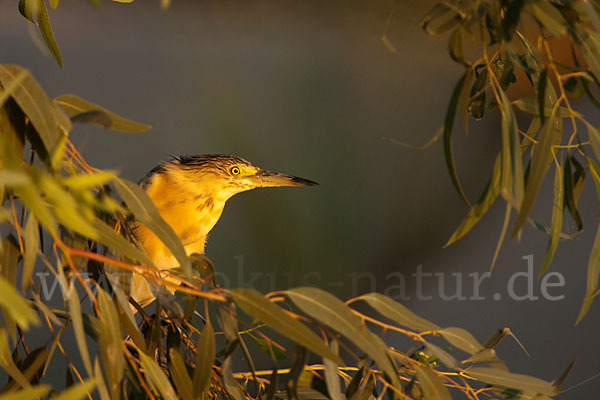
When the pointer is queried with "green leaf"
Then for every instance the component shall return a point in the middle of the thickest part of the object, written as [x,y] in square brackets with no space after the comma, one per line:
[557,217]
[227,318]
[462,108]
[550,135]
[511,177]
[438,11]
[202,264]
[46,30]
[485,355]
[157,379]
[30,196]
[507,379]
[476,104]
[26,8]
[110,343]
[330,311]
[7,362]
[36,105]
[487,198]
[205,356]
[455,47]
[530,106]
[125,314]
[256,305]
[502,235]
[12,178]
[77,319]
[332,379]
[145,211]
[108,237]
[30,393]
[448,126]
[541,94]
[8,269]
[461,339]
[231,384]
[264,345]
[594,137]
[86,181]
[180,376]
[593,274]
[16,306]
[10,88]
[548,16]
[32,245]
[75,105]
[442,355]
[572,187]
[397,312]
[431,384]
[595,172]
[78,391]
[29,367]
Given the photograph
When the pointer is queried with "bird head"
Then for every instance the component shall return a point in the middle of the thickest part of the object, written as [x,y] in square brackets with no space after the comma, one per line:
[221,176]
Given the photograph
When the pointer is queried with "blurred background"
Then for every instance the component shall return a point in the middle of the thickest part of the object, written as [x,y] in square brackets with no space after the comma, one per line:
[308,88]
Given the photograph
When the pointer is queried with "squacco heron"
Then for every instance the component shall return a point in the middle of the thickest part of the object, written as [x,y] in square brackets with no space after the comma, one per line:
[190,193]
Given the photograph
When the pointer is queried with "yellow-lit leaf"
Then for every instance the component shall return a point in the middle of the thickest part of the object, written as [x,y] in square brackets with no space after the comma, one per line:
[32,244]
[46,30]
[16,306]
[550,135]
[30,393]
[431,384]
[557,218]
[330,311]
[157,379]
[110,343]
[36,105]
[256,305]
[507,379]
[462,339]
[78,391]
[77,322]
[205,356]
[397,312]
[75,105]
[180,376]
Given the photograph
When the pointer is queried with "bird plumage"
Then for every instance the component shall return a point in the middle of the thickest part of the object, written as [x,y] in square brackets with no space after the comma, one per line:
[190,193]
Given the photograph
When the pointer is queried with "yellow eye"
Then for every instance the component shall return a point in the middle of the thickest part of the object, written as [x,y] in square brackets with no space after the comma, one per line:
[234,171]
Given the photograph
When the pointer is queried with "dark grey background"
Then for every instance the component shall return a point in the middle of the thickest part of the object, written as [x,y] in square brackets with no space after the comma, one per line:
[308,88]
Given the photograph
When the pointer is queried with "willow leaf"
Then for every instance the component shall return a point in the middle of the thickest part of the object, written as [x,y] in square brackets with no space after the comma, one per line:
[557,217]
[431,384]
[507,379]
[487,198]
[256,305]
[330,311]
[75,105]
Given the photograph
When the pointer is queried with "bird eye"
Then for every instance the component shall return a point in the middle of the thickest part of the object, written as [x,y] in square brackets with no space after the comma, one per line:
[235,171]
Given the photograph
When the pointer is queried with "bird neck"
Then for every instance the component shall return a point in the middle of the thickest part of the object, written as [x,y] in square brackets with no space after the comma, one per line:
[190,209]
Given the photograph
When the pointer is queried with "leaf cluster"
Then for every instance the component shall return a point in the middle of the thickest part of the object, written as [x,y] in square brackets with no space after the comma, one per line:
[517,43]
[68,220]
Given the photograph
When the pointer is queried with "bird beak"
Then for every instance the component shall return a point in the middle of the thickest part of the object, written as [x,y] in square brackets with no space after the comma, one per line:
[273,179]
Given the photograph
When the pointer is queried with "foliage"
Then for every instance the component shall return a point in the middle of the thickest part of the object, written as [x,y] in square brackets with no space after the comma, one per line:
[517,43]
[68,221]
[62,213]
